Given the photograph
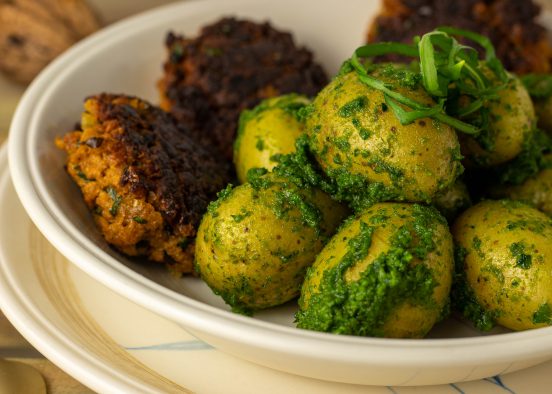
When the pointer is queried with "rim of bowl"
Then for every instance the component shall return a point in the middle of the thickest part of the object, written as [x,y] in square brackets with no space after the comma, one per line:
[191,313]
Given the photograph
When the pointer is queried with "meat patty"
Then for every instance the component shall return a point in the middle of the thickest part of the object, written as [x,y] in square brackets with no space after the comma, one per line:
[232,65]
[520,42]
[146,182]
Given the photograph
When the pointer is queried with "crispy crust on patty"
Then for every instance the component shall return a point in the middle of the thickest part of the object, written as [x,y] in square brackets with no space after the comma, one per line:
[232,65]
[146,182]
[521,43]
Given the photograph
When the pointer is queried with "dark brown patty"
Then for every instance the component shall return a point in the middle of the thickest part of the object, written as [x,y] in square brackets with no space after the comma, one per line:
[521,43]
[146,181]
[232,65]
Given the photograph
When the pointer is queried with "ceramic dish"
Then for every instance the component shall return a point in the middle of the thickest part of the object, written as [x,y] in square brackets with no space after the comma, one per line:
[113,345]
[101,63]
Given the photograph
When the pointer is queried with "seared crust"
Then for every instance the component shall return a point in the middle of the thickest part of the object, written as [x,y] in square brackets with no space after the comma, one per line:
[230,66]
[521,43]
[146,182]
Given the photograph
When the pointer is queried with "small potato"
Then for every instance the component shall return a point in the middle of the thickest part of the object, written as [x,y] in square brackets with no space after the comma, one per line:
[536,190]
[505,257]
[387,272]
[512,120]
[267,130]
[256,241]
[453,200]
[355,135]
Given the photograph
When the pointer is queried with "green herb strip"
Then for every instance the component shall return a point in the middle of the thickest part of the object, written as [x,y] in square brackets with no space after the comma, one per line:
[414,105]
[443,63]
[110,190]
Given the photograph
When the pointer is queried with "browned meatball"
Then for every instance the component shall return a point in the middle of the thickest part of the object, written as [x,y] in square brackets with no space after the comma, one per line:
[146,182]
[232,65]
[520,42]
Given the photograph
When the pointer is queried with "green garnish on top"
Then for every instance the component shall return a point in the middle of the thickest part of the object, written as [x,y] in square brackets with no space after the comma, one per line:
[448,70]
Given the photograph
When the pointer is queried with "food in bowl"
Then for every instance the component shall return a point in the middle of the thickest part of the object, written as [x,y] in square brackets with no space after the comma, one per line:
[230,66]
[387,272]
[504,259]
[145,181]
[256,240]
[522,44]
[354,133]
[376,134]
[266,132]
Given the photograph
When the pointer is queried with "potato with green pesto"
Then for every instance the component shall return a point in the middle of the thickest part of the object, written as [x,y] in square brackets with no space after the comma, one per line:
[503,262]
[358,140]
[453,200]
[268,130]
[511,120]
[256,241]
[539,87]
[535,190]
[387,272]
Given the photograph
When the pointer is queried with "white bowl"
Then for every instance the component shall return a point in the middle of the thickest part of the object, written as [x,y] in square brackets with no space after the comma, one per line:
[127,58]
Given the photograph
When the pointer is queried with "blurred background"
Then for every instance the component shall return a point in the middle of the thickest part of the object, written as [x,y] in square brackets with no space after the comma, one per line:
[64,22]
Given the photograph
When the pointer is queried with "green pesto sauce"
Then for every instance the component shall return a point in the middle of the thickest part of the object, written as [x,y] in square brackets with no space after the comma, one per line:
[301,168]
[244,213]
[260,145]
[523,260]
[539,86]
[292,104]
[221,196]
[362,306]
[528,163]
[463,297]
[240,289]
[543,314]
[286,198]
[353,107]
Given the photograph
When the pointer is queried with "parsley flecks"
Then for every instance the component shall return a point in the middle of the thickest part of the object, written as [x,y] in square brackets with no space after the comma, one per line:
[112,192]
[352,107]
[139,219]
[523,260]
[543,314]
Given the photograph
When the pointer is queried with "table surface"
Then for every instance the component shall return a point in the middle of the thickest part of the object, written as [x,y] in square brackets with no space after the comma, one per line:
[12,345]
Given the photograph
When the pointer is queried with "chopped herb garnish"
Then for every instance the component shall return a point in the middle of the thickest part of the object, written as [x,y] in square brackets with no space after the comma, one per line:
[110,190]
[139,219]
[448,69]
[81,174]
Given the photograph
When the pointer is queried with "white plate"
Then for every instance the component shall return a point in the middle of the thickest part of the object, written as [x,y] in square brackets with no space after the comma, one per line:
[112,345]
[126,58]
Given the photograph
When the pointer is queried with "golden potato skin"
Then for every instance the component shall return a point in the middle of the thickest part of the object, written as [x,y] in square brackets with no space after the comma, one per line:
[453,200]
[512,119]
[353,131]
[374,234]
[253,245]
[267,130]
[507,260]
